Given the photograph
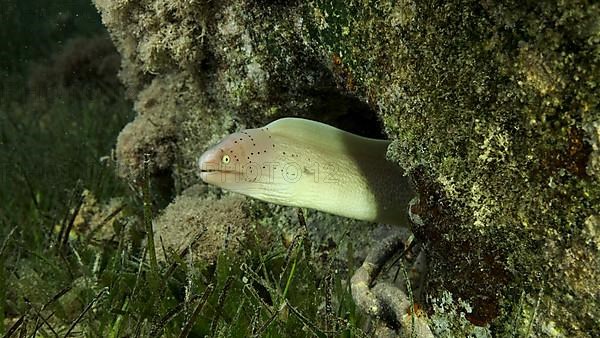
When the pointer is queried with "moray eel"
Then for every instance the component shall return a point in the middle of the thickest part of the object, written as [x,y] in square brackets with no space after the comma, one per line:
[304,163]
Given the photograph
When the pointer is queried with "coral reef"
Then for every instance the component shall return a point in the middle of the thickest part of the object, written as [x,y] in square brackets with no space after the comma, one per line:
[492,108]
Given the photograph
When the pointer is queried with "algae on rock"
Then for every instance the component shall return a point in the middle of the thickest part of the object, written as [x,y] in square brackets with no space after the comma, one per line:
[492,107]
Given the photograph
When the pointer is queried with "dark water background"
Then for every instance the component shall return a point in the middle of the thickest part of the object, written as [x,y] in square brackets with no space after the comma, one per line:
[61,105]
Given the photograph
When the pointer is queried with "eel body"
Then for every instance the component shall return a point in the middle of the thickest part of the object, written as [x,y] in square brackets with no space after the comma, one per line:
[304,163]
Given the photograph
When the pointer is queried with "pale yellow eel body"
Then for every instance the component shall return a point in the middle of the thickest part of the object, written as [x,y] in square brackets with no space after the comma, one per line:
[304,163]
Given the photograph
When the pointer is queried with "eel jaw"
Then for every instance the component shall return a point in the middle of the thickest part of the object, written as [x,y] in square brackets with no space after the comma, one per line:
[218,175]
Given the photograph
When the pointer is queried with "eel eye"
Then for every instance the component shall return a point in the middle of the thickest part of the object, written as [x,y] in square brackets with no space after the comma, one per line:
[225,159]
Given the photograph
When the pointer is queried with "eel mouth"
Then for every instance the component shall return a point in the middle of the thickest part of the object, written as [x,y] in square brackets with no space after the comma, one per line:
[211,171]
[218,176]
